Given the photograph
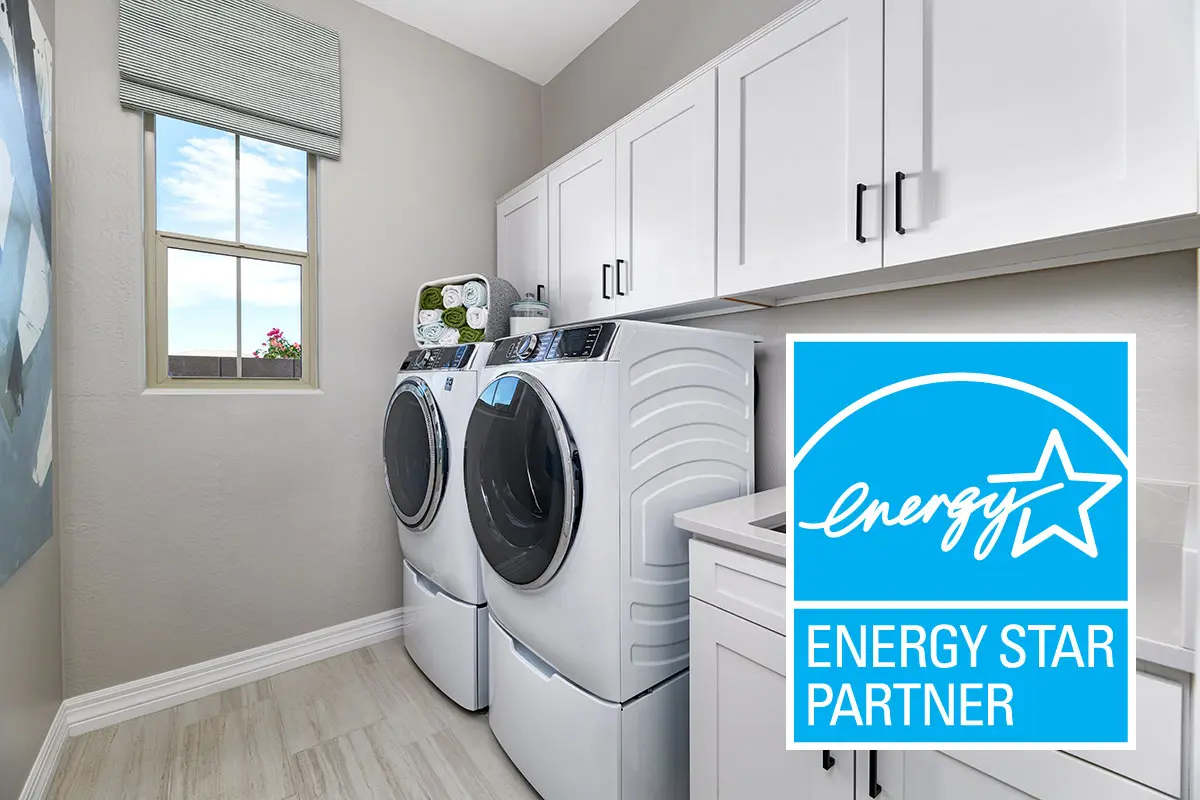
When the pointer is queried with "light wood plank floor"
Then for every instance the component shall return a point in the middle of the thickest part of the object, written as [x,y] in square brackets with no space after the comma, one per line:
[366,725]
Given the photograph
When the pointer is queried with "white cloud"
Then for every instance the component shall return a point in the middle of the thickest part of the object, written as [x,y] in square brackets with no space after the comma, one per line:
[194,279]
[265,167]
[199,188]
[202,185]
[267,283]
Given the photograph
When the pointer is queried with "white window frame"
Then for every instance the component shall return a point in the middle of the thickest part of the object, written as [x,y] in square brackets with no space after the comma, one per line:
[159,242]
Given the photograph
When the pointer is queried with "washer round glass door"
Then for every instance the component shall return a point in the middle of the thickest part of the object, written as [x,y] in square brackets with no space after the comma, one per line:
[414,453]
[523,482]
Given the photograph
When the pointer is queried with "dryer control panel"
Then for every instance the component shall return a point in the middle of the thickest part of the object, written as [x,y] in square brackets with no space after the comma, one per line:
[564,344]
[438,358]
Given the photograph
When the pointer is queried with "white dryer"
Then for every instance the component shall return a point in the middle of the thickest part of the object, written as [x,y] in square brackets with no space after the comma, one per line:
[422,445]
[582,446]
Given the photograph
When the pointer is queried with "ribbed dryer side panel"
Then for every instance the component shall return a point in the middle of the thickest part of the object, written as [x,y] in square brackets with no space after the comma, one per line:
[687,441]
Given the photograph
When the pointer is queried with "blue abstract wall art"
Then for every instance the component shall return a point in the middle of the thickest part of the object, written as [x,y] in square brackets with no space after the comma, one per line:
[26,333]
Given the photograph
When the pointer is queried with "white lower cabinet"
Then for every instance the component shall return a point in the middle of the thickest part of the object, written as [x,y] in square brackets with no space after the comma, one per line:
[738,728]
[738,731]
[1010,775]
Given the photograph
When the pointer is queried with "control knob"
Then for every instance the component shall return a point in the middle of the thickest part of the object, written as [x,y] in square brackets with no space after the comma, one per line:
[527,348]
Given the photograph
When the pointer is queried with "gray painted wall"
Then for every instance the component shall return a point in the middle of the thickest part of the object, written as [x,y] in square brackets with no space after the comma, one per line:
[31,678]
[660,41]
[31,686]
[655,44]
[1153,297]
[194,526]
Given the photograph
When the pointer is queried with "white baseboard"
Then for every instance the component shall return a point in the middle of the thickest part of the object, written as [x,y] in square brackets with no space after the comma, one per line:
[37,785]
[96,710]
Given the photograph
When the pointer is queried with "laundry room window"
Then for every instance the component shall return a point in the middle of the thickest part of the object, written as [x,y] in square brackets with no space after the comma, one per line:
[231,273]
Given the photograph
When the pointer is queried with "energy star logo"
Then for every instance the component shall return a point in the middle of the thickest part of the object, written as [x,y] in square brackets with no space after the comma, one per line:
[960,546]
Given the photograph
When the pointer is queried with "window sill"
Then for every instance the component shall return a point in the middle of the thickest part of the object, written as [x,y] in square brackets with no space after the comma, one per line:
[184,390]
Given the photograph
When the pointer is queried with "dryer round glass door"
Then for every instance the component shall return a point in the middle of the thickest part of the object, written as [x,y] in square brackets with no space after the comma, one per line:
[523,482]
[414,453]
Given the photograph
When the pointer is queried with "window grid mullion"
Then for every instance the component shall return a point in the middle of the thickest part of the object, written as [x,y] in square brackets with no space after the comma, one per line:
[239,317]
[237,237]
[237,188]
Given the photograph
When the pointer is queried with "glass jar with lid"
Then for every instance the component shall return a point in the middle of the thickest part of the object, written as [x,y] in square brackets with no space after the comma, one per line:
[528,316]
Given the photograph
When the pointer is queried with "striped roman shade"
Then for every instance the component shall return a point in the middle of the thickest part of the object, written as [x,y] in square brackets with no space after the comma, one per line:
[240,65]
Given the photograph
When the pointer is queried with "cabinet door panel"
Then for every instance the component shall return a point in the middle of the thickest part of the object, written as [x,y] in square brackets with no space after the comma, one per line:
[583,234]
[738,727]
[799,127]
[1033,119]
[994,775]
[666,200]
[522,243]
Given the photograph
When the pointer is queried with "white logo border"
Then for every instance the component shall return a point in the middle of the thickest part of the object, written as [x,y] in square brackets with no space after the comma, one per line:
[1130,341]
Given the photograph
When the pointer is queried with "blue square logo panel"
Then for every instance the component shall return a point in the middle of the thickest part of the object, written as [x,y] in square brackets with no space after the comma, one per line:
[974,494]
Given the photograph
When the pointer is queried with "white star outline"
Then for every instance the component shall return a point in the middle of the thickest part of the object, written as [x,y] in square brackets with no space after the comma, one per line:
[1054,444]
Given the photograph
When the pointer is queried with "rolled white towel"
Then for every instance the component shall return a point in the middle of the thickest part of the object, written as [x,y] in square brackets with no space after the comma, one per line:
[452,295]
[474,294]
[430,332]
[428,315]
[449,337]
[477,318]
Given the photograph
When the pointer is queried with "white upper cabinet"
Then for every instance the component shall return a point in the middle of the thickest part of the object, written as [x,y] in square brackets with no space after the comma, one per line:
[1030,119]
[800,141]
[666,200]
[844,144]
[522,240]
[582,201]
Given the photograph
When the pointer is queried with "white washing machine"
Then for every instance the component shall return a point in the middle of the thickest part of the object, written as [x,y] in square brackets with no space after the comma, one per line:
[446,633]
[582,446]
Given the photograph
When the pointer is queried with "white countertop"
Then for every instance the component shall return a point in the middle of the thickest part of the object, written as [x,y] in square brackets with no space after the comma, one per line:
[746,524]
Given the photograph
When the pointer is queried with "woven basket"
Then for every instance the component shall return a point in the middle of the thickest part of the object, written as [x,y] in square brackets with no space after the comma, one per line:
[501,296]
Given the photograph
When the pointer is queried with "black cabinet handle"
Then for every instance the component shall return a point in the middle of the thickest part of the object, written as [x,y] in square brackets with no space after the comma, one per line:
[858,234]
[900,176]
[827,761]
[620,261]
[604,281]
[541,287]
[873,787]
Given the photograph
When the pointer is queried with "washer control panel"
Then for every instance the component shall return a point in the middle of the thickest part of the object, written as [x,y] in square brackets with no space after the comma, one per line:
[564,344]
[433,359]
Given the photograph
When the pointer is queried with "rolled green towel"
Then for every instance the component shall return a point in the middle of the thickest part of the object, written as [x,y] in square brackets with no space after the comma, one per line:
[468,335]
[455,317]
[431,298]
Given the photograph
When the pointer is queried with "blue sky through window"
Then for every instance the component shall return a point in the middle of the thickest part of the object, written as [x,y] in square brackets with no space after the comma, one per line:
[197,184]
